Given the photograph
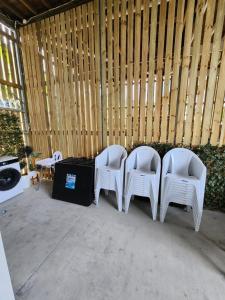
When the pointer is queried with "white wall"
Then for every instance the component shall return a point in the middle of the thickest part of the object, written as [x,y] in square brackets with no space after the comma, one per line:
[6,291]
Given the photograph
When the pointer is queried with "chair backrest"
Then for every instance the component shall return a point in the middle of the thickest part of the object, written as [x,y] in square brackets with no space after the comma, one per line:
[57,156]
[143,156]
[179,160]
[144,159]
[115,154]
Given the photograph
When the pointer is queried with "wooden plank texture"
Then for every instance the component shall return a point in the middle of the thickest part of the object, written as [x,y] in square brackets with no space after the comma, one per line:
[185,70]
[203,72]
[122,72]
[168,64]
[213,72]
[160,66]
[176,71]
[191,90]
[144,67]
[151,71]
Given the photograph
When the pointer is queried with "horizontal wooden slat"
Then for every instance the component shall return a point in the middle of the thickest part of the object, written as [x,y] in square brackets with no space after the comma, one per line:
[11,84]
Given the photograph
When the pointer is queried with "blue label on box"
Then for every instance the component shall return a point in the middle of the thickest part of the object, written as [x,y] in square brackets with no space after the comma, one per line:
[70,181]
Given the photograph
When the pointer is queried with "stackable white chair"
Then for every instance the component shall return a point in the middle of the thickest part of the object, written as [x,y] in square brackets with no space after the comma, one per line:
[109,172]
[142,176]
[183,181]
[57,156]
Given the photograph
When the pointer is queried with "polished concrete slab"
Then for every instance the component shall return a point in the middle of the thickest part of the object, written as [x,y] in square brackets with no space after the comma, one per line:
[61,251]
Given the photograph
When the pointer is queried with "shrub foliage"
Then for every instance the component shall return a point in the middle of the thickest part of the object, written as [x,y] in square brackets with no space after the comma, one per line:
[214,160]
[11,139]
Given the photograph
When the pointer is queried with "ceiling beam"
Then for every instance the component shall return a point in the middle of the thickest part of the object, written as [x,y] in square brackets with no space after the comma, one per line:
[46,4]
[55,10]
[28,6]
[6,20]
[12,10]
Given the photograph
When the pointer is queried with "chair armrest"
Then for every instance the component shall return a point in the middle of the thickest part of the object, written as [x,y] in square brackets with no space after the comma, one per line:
[122,164]
[130,162]
[165,165]
[197,168]
[124,157]
[158,166]
[101,159]
[129,165]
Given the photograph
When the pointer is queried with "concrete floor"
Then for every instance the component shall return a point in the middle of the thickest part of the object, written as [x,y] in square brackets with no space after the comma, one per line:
[61,251]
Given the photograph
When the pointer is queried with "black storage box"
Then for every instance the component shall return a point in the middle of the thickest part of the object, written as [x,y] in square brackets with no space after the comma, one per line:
[74,181]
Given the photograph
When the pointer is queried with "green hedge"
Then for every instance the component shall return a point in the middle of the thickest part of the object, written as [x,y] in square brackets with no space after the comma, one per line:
[214,160]
[11,139]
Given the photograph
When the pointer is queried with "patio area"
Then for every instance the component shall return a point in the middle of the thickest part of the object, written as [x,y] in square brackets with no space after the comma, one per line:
[58,250]
[116,108]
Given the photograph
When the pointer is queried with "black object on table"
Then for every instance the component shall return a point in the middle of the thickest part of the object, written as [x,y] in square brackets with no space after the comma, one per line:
[74,181]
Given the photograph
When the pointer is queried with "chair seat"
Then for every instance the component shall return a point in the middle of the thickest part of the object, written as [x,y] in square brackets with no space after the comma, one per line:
[182,178]
[107,177]
[142,172]
[109,168]
[180,188]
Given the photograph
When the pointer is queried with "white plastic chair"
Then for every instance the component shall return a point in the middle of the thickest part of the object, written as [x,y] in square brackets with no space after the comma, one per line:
[142,176]
[109,171]
[183,181]
[57,155]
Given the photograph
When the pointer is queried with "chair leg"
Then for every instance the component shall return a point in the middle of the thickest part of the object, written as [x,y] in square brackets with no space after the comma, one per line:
[119,202]
[198,221]
[127,202]
[154,209]
[163,209]
[197,207]
[188,208]
[197,216]
[97,192]
[119,199]
[154,194]
[119,194]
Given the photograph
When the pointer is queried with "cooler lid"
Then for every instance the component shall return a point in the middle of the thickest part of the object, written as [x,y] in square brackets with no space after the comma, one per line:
[77,161]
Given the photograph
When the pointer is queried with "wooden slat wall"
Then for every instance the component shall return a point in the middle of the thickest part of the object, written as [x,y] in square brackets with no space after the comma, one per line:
[167,74]
[62,70]
[120,71]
